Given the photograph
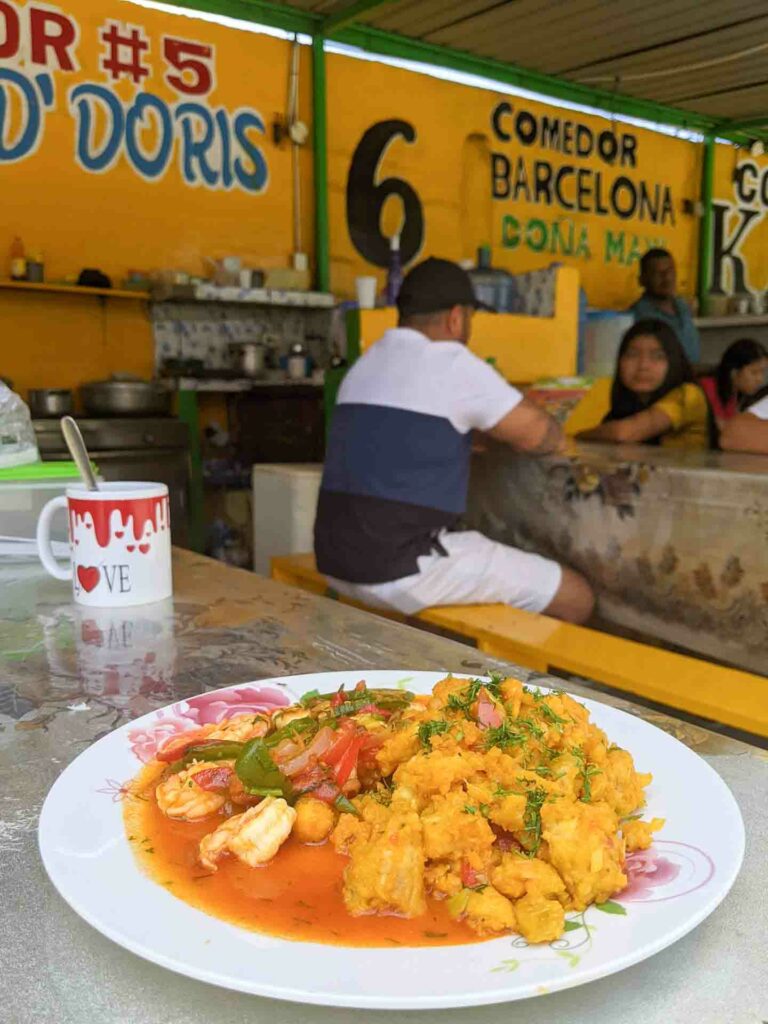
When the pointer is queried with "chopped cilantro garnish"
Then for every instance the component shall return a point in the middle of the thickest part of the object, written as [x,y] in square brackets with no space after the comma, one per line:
[532,818]
[550,714]
[468,809]
[502,791]
[429,729]
[309,698]
[464,699]
[503,736]
[485,810]
[587,772]
[534,729]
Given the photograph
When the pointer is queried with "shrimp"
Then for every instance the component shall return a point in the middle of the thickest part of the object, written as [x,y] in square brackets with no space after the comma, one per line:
[180,796]
[254,836]
[240,728]
[283,716]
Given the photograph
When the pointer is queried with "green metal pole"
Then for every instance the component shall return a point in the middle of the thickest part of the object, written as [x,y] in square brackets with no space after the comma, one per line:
[705,231]
[320,140]
[188,411]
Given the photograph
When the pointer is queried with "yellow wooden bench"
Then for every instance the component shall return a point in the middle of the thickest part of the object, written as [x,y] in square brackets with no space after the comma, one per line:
[726,695]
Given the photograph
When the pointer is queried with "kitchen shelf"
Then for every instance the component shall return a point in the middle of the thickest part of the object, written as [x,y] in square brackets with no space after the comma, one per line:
[248,296]
[74,289]
[730,321]
[239,385]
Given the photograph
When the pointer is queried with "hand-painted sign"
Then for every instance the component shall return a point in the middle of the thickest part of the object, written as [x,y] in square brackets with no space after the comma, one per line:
[215,148]
[738,244]
[453,168]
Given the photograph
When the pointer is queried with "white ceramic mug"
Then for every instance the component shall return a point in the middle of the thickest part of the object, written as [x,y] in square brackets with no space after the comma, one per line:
[120,542]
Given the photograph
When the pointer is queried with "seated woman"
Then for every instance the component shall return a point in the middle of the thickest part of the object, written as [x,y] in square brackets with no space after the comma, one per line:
[748,431]
[654,399]
[738,378]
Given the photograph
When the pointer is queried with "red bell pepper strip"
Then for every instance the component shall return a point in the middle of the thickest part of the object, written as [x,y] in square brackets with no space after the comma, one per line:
[336,751]
[348,760]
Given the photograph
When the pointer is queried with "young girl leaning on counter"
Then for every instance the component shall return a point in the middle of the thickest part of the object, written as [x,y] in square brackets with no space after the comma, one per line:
[737,379]
[654,399]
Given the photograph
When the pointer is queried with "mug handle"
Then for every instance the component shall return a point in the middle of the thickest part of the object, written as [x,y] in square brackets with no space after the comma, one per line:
[44,539]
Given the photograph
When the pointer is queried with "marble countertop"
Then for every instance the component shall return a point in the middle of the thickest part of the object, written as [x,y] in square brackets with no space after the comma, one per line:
[668,458]
[69,676]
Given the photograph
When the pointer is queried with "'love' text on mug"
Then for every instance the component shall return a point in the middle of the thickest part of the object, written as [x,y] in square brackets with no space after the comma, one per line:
[116,577]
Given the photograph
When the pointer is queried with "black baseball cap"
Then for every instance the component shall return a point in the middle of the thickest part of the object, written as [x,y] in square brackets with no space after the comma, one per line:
[435,285]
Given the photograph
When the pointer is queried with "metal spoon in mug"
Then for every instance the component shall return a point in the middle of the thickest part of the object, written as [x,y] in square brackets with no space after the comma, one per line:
[78,451]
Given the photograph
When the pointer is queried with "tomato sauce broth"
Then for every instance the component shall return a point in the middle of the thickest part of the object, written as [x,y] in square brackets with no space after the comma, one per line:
[297,896]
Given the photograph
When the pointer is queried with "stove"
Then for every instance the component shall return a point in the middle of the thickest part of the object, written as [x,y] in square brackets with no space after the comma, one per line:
[133,448]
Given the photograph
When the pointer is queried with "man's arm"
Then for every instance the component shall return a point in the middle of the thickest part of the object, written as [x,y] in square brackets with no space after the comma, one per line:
[641,426]
[529,429]
[745,433]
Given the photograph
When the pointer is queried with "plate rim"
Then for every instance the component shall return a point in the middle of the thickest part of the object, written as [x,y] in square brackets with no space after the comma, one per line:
[381,1001]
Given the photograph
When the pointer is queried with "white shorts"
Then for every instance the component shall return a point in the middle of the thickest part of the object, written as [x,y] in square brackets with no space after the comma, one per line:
[477,570]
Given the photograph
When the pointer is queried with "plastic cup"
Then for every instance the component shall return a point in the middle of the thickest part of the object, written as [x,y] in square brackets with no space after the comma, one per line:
[366,292]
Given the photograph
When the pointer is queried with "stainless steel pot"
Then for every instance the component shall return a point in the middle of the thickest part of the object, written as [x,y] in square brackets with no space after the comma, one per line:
[125,398]
[249,357]
[47,403]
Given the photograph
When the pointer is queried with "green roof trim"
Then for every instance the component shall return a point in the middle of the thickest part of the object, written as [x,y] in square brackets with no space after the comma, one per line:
[392,44]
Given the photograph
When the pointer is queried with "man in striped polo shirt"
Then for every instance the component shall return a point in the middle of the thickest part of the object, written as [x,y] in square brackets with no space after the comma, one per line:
[397,467]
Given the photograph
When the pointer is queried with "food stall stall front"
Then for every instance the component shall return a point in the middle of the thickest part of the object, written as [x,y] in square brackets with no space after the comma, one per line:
[673,542]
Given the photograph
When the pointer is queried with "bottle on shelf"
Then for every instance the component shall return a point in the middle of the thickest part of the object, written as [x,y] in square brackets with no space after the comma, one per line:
[36,268]
[18,260]
[395,273]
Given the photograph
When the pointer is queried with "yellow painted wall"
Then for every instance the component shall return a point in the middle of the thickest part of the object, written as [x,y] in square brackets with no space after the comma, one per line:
[524,347]
[119,221]
[448,166]
[52,340]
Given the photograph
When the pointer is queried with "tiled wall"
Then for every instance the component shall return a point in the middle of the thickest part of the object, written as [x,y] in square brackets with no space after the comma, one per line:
[205,331]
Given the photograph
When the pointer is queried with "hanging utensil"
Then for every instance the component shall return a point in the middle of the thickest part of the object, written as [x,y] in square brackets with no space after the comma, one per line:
[78,451]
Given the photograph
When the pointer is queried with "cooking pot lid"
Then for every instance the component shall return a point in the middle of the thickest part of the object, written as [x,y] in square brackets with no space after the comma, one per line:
[128,384]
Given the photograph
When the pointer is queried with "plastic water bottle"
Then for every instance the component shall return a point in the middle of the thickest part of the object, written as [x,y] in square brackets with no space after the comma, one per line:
[18,445]
[395,273]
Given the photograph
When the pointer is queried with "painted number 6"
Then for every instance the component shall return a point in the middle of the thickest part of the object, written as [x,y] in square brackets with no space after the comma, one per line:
[366,197]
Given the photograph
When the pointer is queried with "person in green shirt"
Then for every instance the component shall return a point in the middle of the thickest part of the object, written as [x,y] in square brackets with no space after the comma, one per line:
[659,301]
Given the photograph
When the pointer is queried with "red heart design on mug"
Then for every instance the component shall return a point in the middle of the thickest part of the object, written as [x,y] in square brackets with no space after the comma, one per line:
[143,548]
[88,576]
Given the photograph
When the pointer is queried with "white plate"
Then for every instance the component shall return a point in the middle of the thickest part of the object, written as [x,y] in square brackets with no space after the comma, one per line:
[673,887]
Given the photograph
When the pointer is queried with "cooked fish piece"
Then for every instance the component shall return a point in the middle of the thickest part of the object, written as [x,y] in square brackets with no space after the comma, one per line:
[516,876]
[385,873]
[539,919]
[487,911]
[585,849]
